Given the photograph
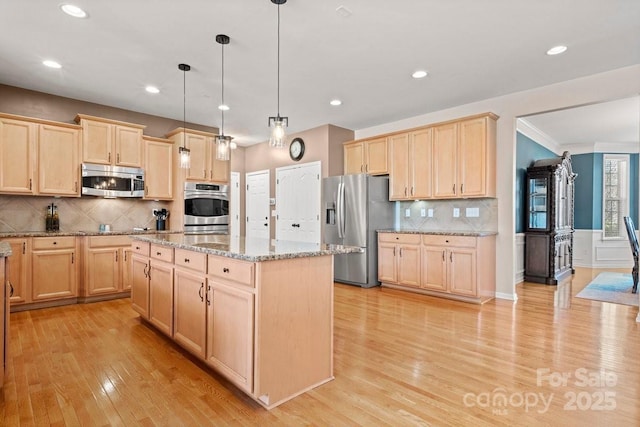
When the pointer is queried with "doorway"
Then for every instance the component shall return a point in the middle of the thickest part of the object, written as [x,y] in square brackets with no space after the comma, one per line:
[257,204]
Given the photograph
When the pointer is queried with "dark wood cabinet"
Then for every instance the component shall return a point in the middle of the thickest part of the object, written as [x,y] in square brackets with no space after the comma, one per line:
[549,222]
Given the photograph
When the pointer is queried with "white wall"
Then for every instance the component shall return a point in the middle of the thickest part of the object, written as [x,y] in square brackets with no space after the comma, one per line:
[620,83]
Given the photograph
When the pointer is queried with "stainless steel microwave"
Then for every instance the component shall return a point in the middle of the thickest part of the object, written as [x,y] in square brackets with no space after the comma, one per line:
[112,181]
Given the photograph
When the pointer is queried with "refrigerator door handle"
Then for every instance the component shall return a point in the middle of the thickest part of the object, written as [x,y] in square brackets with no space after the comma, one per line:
[340,210]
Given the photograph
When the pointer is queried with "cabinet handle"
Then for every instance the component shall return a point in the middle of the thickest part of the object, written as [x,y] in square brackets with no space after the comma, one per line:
[55,243]
[118,158]
[116,252]
[145,271]
[412,190]
[225,270]
[366,168]
[125,257]
[454,189]
[200,292]
[207,295]
[394,251]
[109,156]
[186,260]
[401,252]
[30,184]
[24,248]
[451,257]
[137,248]
[146,190]
[442,256]
[405,191]
[149,272]
[158,253]
[204,174]
[10,289]
[75,186]
[361,168]
[73,257]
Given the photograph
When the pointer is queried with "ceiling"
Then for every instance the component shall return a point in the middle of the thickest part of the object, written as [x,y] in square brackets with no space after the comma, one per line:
[360,51]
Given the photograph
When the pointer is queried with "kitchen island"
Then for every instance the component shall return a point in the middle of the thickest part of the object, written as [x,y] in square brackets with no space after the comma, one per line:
[258,312]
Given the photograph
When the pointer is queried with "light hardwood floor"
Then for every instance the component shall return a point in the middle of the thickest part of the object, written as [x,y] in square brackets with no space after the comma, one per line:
[400,359]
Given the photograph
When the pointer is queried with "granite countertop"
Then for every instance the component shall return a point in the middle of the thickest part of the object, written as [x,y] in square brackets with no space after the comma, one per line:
[442,232]
[9,234]
[247,249]
[5,250]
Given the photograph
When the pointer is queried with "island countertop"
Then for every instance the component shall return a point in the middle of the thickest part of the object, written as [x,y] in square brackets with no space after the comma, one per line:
[245,248]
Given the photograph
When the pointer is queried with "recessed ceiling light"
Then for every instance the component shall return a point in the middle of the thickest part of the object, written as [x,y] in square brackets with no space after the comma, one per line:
[556,50]
[419,74]
[52,64]
[73,10]
[335,102]
[152,89]
[223,107]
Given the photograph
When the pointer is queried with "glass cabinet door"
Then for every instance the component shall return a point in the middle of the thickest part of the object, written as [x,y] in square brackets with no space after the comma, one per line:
[538,206]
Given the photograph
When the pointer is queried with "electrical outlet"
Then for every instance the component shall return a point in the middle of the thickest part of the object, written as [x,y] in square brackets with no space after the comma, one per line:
[407,213]
[430,213]
[423,212]
[472,212]
[456,212]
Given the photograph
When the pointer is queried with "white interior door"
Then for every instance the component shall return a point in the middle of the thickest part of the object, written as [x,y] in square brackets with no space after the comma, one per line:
[298,202]
[257,204]
[234,207]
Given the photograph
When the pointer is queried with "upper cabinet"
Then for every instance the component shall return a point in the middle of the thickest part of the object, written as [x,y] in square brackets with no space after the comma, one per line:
[158,166]
[39,157]
[204,167]
[464,158]
[410,174]
[110,142]
[17,155]
[367,156]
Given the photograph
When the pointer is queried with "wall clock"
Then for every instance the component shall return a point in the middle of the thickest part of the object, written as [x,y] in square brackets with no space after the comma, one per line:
[296,149]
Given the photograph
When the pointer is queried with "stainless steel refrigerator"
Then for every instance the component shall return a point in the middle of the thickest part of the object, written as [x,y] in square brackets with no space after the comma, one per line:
[354,207]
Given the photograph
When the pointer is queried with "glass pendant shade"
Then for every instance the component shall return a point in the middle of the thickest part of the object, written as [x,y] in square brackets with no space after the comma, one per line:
[278,127]
[185,157]
[223,145]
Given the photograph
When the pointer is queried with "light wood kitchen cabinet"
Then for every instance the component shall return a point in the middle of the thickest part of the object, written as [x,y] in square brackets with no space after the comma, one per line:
[111,142]
[449,264]
[368,156]
[464,158]
[17,155]
[140,278]
[58,160]
[158,168]
[411,170]
[399,258]
[230,322]
[20,267]
[106,265]
[161,288]
[54,268]
[190,301]
[204,167]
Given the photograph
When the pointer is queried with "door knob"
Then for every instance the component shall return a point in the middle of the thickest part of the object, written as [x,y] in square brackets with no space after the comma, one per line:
[265,224]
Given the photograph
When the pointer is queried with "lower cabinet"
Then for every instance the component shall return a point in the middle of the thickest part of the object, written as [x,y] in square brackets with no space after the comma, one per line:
[190,301]
[54,268]
[20,270]
[139,276]
[161,288]
[452,266]
[106,266]
[399,259]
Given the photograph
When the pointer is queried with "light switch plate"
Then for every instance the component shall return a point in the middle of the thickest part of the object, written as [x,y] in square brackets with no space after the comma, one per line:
[407,213]
[472,212]
[423,212]
[456,212]
[430,213]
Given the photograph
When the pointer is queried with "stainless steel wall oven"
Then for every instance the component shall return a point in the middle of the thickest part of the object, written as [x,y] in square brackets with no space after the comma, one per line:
[206,208]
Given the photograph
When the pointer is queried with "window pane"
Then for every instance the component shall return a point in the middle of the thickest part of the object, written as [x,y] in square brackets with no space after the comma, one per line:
[614,194]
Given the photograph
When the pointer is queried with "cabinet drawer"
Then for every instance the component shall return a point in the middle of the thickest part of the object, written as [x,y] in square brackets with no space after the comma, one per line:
[47,243]
[458,241]
[162,253]
[140,248]
[413,239]
[190,259]
[108,241]
[231,269]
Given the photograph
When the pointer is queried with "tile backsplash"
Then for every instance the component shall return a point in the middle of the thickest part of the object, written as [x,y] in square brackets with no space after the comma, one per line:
[443,215]
[27,213]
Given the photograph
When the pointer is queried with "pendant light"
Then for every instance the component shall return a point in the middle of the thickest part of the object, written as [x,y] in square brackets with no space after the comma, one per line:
[223,143]
[278,124]
[185,153]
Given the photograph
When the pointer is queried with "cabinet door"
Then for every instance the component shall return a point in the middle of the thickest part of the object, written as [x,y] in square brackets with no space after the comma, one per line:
[58,161]
[17,156]
[434,268]
[125,269]
[140,285]
[128,146]
[161,296]
[18,263]
[53,274]
[399,173]
[445,160]
[102,271]
[377,157]
[353,158]
[199,157]
[409,265]
[472,157]
[97,142]
[158,165]
[462,271]
[421,169]
[220,170]
[230,333]
[387,267]
[189,311]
